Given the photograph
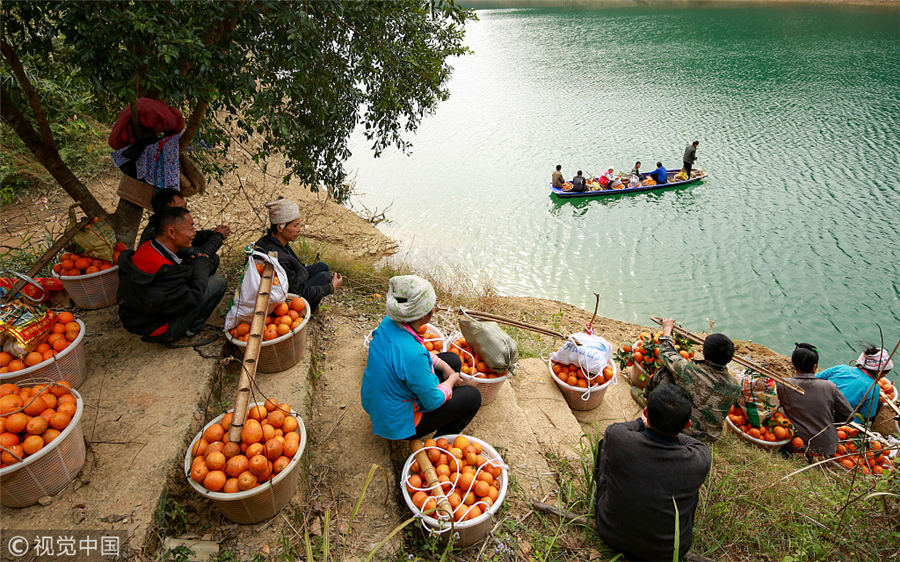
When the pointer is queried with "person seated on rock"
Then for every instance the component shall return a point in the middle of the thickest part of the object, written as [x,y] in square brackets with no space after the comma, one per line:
[407,392]
[205,242]
[857,383]
[162,296]
[578,183]
[312,282]
[557,180]
[640,468]
[713,388]
[813,413]
[660,174]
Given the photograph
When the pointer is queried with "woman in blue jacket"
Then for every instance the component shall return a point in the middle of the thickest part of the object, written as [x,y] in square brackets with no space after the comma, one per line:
[407,392]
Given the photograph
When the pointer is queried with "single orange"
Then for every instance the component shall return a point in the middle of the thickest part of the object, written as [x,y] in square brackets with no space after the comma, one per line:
[236,465]
[215,480]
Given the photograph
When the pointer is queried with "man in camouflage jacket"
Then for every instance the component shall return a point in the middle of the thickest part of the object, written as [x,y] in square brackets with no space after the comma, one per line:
[713,388]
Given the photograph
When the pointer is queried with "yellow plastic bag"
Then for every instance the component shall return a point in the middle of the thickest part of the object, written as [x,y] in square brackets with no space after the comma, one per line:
[681,176]
[96,240]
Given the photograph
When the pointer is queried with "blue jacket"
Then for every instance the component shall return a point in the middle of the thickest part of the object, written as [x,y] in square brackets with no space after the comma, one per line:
[399,382]
[660,175]
[853,384]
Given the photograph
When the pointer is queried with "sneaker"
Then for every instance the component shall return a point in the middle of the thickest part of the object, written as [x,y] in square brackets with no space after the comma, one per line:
[638,395]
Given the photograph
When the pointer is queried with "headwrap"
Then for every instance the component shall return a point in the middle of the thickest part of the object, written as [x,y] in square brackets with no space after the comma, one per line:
[878,361]
[283,211]
[409,298]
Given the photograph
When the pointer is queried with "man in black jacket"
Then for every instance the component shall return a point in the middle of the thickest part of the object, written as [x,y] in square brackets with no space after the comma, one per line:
[643,470]
[205,241]
[161,296]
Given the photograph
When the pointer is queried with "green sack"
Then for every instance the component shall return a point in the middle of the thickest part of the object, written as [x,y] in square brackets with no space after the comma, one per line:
[95,240]
[496,348]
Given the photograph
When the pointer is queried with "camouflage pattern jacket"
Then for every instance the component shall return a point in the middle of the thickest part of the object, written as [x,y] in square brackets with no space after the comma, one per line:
[713,388]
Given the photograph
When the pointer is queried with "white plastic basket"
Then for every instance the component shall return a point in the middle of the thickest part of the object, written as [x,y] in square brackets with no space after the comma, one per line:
[584,398]
[94,290]
[760,442]
[281,353]
[469,532]
[67,365]
[263,501]
[49,470]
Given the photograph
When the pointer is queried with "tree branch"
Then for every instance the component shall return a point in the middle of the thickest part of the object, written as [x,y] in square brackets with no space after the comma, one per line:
[193,124]
[50,159]
[9,53]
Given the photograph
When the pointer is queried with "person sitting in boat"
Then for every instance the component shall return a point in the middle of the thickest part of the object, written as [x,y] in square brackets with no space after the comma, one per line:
[407,392]
[636,171]
[813,413]
[557,179]
[578,183]
[640,466]
[857,383]
[313,282]
[660,174]
[713,387]
[612,180]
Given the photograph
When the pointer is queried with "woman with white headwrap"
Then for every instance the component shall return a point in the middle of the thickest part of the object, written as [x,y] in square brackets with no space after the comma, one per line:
[857,383]
[402,388]
[312,282]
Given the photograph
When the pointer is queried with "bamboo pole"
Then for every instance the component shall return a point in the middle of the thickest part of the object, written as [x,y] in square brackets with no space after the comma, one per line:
[739,360]
[251,352]
[47,256]
[431,478]
[501,320]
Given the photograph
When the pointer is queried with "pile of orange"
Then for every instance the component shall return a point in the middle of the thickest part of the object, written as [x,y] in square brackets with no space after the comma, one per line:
[645,352]
[269,440]
[573,375]
[33,416]
[472,363]
[888,393]
[285,318]
[867,456]
[433,342]
[259,269]
[776,428]
[61,335]
[75,264]
[470,482]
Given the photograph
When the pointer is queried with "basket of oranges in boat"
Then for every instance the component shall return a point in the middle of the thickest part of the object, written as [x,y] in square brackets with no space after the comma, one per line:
[253,478]
[41,441]
[50,347]
[774,432]
[472,478]
[90,282]
[475,372]
[642,356]
[284,337]
[866,452]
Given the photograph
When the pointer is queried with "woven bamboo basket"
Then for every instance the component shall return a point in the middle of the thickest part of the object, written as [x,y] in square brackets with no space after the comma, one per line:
[49,470]
[283,352]
[758,442]
[263,501]
[67,365]
[94,290]
[467,532]
[584,398]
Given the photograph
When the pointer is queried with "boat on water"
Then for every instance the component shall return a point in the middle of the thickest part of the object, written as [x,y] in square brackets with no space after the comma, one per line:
[696,177]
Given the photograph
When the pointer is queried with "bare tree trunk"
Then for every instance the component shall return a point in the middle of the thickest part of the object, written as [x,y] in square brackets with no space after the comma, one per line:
[125,220]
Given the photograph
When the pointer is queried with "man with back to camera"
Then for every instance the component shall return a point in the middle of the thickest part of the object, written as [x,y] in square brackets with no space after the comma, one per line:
[643,470]
[690,156]
[161,296]
[713,388]
[578,183]
[557,180]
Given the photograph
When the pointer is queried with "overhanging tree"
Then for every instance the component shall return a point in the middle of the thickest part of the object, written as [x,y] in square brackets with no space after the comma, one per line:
[302,75]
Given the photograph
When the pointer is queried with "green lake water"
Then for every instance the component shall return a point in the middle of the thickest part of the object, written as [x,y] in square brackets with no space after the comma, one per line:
[794,235]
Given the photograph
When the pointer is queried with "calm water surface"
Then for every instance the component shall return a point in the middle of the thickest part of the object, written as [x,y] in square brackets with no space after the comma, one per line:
[793,237]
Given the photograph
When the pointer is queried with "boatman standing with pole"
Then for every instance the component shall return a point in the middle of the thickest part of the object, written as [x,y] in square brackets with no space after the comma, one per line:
[690,156]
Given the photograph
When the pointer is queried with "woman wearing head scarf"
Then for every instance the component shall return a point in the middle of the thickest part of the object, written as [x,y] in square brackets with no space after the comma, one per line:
[857,383]
[312,282]
[407,392]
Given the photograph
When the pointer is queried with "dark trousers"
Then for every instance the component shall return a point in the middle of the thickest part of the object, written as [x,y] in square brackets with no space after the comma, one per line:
[191,322]
[687,168]
[454,414]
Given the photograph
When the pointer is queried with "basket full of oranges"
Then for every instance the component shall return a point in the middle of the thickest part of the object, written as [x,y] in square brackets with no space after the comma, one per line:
[773,433]
[91,283]
[475,372]
[58,355]
[284,337]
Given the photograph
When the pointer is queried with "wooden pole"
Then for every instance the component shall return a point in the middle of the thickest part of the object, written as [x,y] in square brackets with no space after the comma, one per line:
[251,353]
[502,320]
[48,255]
[739,360]
[431,478]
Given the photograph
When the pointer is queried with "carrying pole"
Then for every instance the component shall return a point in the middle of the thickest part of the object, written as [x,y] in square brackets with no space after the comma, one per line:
[251,352]
[431,479]
[739,360]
